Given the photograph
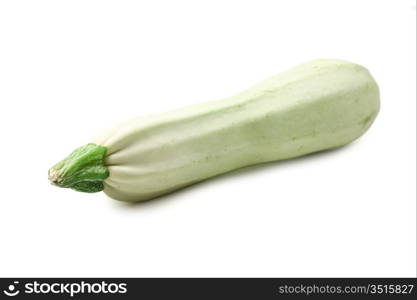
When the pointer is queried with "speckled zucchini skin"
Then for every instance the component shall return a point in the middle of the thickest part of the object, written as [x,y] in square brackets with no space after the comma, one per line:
[319,105]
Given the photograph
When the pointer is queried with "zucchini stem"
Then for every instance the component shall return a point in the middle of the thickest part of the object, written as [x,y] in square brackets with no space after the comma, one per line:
[83,170]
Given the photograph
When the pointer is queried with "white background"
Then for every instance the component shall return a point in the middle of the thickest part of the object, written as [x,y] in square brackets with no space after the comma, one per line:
[69,69]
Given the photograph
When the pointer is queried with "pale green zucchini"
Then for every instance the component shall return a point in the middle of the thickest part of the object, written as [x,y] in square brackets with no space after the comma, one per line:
[322,104]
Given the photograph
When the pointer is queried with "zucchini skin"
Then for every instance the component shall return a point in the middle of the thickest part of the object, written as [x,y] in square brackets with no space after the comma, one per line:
[319,105]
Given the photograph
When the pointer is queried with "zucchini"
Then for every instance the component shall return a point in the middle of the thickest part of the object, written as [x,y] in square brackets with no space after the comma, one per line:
[319,105]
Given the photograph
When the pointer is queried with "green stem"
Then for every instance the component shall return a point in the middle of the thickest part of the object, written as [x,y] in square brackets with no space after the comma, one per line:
[83,170]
